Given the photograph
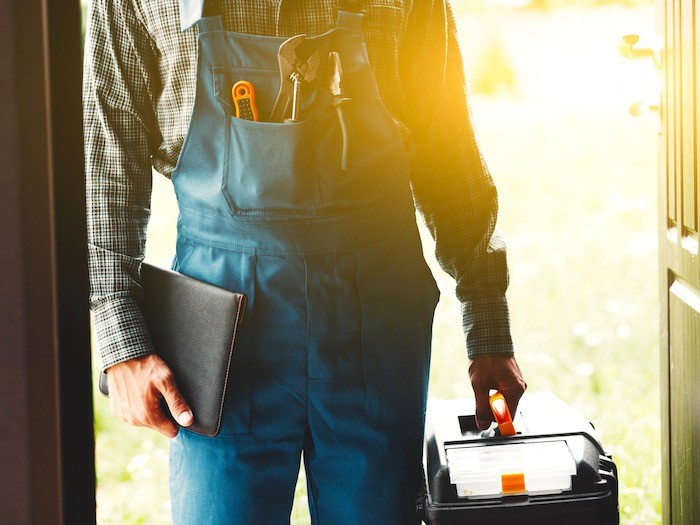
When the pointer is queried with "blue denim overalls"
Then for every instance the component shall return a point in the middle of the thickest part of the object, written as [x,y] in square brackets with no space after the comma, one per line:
[332,358]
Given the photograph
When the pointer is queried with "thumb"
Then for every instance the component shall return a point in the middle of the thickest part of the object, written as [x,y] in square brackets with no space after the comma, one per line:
[483,409]
[177,405]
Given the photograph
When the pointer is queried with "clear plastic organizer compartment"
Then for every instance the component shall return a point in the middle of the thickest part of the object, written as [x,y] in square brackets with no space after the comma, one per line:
[511,469]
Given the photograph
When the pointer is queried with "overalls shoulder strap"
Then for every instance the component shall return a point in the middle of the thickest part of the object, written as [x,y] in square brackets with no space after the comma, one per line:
[350,15]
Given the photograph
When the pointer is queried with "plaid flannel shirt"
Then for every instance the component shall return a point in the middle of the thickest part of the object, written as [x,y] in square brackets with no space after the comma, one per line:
[139,82]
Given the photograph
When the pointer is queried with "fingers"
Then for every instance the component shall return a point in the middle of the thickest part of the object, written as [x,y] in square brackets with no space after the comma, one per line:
[481,384]
[151,415]
[158,420]
[484,416]
[513,386]
[497,373]
[137,388]
[176,403]
[512,394]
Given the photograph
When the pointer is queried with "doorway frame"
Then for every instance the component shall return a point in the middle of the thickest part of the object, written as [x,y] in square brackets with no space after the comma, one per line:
[47,450]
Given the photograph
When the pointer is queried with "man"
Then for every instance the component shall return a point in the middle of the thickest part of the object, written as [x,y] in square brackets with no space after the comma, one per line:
[313,220]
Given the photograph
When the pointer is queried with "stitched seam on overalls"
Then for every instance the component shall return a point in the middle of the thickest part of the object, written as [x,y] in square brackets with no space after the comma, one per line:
[281,219]
[239,248]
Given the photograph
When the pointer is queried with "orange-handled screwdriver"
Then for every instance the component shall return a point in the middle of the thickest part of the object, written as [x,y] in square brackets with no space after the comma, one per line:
[243,94]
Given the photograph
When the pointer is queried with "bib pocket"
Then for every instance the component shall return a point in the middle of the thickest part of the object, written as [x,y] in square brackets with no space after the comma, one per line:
[271,168]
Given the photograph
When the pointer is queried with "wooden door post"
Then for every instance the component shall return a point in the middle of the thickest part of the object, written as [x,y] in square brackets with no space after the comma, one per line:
[46,431]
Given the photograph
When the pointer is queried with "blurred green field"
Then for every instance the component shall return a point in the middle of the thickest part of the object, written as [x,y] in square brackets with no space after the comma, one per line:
[577,183]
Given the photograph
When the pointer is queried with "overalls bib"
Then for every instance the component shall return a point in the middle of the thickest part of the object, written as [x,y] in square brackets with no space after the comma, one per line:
[333,354]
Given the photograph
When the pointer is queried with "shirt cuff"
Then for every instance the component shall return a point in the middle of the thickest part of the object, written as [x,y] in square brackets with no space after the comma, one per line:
[120,331]
[486,324]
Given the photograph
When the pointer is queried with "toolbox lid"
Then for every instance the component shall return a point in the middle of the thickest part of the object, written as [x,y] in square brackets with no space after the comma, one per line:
[542,467]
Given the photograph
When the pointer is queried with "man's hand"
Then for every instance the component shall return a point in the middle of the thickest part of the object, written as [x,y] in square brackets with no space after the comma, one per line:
[497,373]
[136,388]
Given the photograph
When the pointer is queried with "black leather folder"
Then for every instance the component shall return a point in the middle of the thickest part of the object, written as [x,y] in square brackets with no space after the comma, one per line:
[193,326]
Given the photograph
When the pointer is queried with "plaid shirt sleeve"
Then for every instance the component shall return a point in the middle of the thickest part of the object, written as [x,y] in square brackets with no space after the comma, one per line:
[451,183]
[119,127]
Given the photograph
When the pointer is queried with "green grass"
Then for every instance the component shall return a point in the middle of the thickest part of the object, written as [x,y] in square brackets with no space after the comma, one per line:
[576,178]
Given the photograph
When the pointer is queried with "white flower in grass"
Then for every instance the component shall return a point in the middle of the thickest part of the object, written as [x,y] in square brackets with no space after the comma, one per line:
[584,369]
[581,329]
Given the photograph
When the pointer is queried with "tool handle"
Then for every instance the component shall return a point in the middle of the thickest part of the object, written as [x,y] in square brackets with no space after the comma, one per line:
[499,407]
[339,104]
[243,94]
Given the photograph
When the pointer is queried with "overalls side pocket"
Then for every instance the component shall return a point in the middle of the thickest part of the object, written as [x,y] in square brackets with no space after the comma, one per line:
[398,296]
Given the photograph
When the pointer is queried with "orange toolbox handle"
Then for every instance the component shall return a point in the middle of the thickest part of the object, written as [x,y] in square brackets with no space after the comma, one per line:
[499,407]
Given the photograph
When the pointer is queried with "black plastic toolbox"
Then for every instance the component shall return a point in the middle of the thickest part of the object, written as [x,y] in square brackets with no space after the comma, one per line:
[561,473]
